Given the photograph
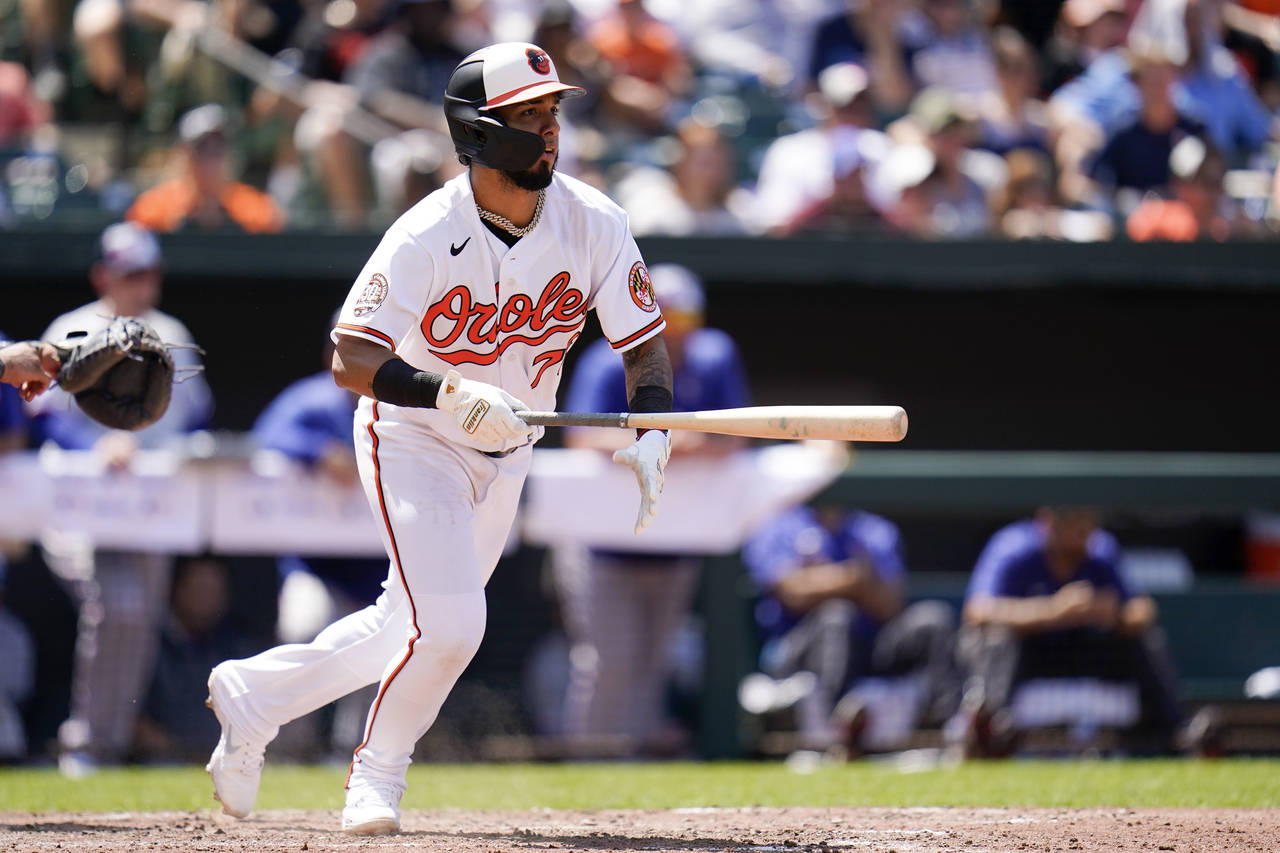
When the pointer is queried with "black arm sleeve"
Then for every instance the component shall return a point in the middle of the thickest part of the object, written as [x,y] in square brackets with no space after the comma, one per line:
[651,398]
[398,383]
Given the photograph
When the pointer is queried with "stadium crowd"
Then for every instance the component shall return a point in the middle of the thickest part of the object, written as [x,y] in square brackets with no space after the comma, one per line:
[936,119]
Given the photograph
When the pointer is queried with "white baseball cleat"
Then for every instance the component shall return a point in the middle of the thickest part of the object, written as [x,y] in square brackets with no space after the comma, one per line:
[373,807]
[236,763]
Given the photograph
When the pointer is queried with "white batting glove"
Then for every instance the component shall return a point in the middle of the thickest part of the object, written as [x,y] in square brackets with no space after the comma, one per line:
[647,458]
[483,410]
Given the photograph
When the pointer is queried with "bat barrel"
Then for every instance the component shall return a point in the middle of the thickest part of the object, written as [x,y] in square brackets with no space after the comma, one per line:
[840,423]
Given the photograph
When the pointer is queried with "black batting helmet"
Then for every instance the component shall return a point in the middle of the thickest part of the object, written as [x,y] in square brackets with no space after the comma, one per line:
[495,76]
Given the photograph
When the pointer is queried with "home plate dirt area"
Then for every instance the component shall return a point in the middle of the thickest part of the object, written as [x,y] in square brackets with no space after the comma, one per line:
[738,830]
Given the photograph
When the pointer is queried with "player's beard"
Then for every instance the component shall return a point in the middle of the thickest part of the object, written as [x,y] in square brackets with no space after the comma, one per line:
[537,177]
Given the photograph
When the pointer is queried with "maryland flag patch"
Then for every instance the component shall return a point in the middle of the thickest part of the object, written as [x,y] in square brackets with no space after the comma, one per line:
[641,287]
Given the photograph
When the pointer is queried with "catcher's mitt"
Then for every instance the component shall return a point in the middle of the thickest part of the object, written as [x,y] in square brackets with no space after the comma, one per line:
[122,376]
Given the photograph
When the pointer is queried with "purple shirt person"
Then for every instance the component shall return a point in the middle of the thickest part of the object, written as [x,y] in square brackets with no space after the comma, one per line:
[798,538]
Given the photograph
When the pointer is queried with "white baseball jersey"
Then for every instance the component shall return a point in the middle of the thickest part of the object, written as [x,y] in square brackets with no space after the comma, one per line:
[442,291]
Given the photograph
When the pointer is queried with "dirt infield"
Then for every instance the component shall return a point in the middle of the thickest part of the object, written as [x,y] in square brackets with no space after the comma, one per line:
[750,830]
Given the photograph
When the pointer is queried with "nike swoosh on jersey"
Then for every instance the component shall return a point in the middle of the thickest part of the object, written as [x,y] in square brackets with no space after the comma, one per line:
[454,250]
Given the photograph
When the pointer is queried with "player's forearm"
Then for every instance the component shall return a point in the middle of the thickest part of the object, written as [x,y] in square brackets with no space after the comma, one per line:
[372,370]
[1024,615]
[879,600]
[806,588]
[355,362]
[1137,615]
[647,365]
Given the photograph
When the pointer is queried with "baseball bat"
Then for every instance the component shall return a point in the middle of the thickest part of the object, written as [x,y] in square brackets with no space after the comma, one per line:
[842,423]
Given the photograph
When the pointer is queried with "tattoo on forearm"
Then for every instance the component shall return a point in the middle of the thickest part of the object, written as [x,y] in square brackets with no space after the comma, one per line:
[647,364]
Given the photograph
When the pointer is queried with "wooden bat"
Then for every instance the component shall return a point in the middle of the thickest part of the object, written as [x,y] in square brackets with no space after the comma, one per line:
[842,423]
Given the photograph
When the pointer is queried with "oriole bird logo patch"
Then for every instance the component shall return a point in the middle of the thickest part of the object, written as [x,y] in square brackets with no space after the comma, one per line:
[538,61]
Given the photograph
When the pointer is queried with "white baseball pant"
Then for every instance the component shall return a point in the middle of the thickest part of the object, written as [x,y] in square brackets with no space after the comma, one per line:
[445,513]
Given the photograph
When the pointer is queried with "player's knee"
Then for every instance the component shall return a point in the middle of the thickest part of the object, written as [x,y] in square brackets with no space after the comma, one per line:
[454,632]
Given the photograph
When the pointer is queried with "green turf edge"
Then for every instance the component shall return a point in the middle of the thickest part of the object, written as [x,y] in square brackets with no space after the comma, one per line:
[1246,783]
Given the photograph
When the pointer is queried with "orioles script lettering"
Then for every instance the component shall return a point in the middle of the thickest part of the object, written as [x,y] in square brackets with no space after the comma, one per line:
[457,318]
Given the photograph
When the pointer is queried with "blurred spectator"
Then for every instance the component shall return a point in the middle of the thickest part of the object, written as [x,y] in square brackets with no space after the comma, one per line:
[17,676]
[37,37]
[1047,600]
[21,110]
[399,77]
[798,170]
[1252,33]
[622,610]
[331,37]
[1199,208]
[414,57]
[1220,94]
[831,585]
[203,196]
[578,64]
[849,209]
[939,196]
[1136,157]
[868,33]
[1012,116]
[1027,206]
[121,594]
[648,70]
[174,725]
[1093,103]
[34,181]
[755,41]
[109,81]
[1085,30]
[327,40]
[947,46]
[692,197]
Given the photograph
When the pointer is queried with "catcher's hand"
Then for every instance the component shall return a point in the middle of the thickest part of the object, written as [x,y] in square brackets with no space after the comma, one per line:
[647,457]
[122,376]
[29,366]
[483,410]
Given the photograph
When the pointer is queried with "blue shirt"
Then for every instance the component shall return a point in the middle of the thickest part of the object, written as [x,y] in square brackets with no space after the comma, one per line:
[711,376]
[1222,99]
[797,539]
[1013,565]
[306,418]
[303,421]
[12,416]
[1139,158]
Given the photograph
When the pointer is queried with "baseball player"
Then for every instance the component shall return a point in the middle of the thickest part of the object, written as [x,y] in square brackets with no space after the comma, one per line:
[461,318]
[29,366]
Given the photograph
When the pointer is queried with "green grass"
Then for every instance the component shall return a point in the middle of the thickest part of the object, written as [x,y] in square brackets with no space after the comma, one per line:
[1242,783]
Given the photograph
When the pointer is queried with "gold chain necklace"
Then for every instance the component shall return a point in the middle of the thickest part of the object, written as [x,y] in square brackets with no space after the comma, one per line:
[509,226]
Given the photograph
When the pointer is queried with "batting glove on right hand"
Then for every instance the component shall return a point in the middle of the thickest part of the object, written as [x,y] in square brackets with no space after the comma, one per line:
[647,458]
[483,410]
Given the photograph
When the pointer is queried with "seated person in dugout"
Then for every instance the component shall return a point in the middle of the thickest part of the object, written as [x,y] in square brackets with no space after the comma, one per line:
[1047,600]
[832,610]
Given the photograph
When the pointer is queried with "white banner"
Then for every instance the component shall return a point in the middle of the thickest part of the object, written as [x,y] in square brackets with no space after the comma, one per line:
[289,510]
[165,502]
[708,506]
[154,506]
